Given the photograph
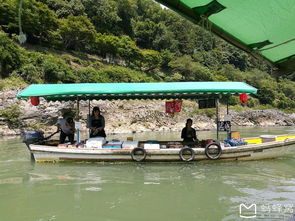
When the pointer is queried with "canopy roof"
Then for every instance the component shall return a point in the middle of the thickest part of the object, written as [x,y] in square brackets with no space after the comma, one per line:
[263,28]
[120,91]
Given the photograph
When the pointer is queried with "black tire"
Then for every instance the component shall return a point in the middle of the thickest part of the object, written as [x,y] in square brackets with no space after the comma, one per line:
[134,154]
[187,149]
[208,154]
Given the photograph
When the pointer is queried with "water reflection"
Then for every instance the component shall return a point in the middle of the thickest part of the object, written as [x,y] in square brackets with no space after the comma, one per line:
[132,191]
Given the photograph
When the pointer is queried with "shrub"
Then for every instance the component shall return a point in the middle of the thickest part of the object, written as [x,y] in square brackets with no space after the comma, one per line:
[11,115]
[90,75]
[11,82]
[10,55]
[121,74]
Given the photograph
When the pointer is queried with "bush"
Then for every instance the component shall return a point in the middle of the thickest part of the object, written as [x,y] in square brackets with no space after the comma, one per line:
[252,102]
[90,75]
[56,71]
[121,74]
[11,115]
[10,55]
[234,100]
[284,102]
[77,33]
[11,82]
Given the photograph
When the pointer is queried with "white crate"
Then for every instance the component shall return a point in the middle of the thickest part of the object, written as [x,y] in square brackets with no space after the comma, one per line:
[95,142]
[151,146]
[130,144]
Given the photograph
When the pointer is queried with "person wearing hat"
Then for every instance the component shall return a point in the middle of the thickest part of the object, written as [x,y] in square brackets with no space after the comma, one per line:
[97,124]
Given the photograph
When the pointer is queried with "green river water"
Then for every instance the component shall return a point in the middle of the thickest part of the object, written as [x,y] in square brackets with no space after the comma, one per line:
[145,191]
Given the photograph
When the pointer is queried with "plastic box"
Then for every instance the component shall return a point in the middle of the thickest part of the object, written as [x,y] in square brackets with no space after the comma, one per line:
[268,138]
[130,144]
[150,146]
[95,142]
[113,144]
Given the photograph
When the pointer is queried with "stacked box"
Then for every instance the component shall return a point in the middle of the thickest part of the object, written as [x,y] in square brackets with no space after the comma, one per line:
[130,144]
[95,142]
[113,144]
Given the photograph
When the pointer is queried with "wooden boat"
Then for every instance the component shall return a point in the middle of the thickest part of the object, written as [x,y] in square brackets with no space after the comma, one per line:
[253,151]
[256,148]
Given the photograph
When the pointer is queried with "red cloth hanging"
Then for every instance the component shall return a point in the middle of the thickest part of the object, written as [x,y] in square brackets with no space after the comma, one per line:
[35,101]
[177,105]
[244,98]
[169,107]
[173,106]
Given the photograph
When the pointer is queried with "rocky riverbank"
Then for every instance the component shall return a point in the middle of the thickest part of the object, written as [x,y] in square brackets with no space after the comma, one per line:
[17,116]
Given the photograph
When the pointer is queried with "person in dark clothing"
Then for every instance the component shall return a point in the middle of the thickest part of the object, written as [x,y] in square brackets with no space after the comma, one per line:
[67,129]
[188,134]
[97,124]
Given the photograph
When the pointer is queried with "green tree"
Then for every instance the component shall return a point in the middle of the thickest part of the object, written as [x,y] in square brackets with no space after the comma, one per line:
[104,15]
[77,32]
[38,21]
[10,55]
[122,74]
[64,8]
[8,15]
[90,75]
[191,71]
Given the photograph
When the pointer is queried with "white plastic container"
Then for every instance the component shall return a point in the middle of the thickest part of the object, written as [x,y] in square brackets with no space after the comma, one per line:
[95,142]
[149,146]
[268,138]
[130,144]
[113,144]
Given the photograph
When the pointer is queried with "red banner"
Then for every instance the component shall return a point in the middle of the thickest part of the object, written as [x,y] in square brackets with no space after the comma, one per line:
[177,105]
[173,106]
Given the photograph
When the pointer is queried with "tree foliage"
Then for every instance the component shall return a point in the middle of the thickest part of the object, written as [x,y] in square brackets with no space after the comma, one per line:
[132,41]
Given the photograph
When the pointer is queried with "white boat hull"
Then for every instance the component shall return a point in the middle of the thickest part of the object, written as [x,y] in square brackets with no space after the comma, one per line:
[43,153]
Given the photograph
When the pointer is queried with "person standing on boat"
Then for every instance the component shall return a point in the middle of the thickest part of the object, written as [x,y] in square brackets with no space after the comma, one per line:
[188,134]
[97,124]
[66,126]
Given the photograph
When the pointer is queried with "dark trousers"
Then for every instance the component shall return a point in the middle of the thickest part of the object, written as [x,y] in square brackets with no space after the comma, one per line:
[63,136]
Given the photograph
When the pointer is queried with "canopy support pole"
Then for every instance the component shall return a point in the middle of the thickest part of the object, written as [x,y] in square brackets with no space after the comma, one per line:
[89,119]
[77,124]
[227,113]
[217,118]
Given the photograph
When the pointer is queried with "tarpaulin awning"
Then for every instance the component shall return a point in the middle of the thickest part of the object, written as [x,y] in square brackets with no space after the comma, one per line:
[121,91]
[263,28]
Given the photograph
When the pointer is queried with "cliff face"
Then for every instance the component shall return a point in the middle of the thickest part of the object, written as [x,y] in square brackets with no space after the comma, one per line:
[17,116]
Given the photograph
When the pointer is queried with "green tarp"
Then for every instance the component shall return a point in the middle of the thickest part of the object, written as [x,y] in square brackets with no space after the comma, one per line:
[263,28]
[120,91]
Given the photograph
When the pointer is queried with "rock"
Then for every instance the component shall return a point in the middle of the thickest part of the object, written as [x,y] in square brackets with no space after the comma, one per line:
[132,116]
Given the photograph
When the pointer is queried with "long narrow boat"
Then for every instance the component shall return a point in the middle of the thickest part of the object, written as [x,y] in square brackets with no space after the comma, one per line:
[256,148]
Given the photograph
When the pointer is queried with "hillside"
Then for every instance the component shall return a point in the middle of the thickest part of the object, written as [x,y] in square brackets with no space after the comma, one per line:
[70,41]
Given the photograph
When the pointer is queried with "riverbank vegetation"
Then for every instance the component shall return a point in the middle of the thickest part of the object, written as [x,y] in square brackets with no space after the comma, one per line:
[125,41]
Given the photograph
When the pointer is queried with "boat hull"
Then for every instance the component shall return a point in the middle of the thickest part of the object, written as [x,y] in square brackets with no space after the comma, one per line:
[43,153]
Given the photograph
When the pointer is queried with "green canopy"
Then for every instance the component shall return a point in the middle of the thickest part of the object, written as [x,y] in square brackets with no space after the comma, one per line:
[120,91]
[263,28]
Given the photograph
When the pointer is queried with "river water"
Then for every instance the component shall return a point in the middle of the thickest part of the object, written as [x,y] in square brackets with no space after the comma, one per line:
[146,191]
